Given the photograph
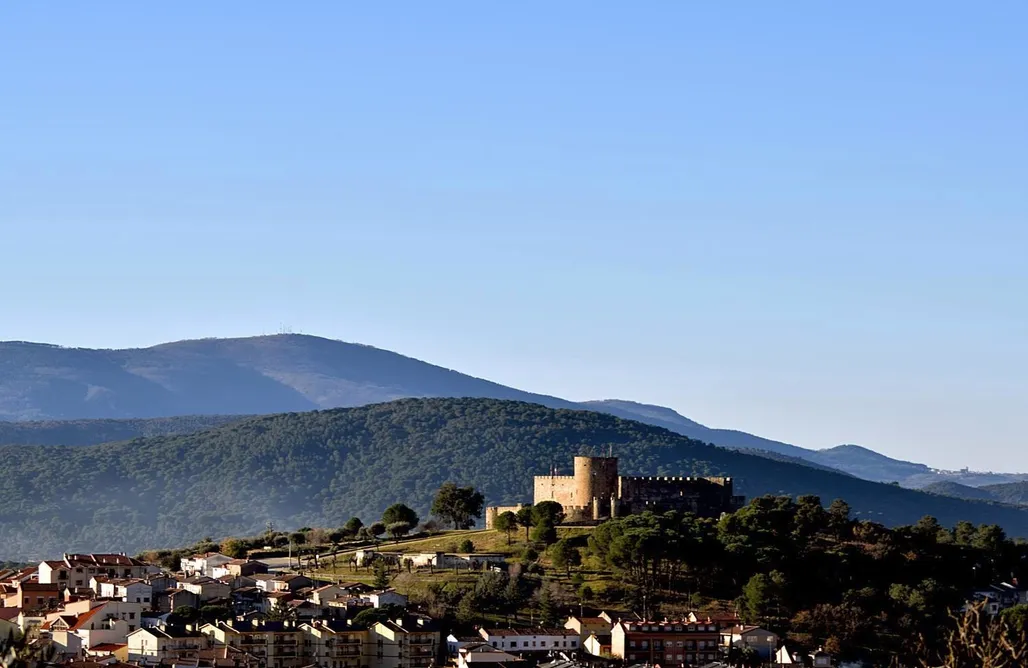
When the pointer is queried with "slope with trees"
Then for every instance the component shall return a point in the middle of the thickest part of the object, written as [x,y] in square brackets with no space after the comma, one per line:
[94,432]
[320,468]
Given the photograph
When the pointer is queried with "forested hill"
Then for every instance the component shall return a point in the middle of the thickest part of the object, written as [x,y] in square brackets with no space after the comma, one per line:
[319,468]
[268,374]
[92,432]
[292,372]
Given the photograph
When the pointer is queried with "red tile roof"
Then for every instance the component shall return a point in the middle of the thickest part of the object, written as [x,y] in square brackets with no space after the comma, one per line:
[107,647]
[8,614]
[85,617]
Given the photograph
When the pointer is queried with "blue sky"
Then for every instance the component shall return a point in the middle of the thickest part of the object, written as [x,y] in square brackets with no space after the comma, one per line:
[804,220]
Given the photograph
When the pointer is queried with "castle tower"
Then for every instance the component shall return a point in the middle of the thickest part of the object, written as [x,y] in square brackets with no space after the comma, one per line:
[596,481]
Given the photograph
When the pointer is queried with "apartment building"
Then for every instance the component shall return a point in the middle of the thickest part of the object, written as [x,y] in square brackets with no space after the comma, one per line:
[668,643]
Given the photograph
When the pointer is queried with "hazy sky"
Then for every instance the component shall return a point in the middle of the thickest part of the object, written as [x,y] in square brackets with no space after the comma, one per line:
[804,220]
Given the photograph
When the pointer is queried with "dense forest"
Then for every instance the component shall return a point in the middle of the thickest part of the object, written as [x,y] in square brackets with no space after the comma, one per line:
[93,432]
[320,468]
[815,575]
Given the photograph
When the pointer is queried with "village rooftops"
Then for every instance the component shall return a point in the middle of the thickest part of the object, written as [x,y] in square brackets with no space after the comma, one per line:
[677,626]
[257,626]
[198,579]
[280,594]
[168,632]
[500,633]
[333,625]
[85,618]
[101,560]
[592,620]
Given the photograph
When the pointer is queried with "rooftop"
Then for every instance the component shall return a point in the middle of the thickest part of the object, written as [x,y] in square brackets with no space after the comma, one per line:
[529,632]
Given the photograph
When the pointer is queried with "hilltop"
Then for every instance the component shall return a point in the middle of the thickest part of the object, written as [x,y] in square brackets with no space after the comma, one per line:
[319,468]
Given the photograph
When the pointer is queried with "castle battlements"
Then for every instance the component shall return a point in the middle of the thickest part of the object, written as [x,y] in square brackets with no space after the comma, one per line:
[596,492]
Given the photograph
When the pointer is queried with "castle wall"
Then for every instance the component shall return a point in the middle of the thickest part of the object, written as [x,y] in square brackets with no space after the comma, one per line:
[492,512]
[703,496]
[559,488]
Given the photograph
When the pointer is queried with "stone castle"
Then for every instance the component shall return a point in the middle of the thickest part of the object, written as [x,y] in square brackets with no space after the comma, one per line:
[596,492]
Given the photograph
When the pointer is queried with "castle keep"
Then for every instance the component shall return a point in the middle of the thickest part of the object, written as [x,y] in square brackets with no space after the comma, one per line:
[596,492]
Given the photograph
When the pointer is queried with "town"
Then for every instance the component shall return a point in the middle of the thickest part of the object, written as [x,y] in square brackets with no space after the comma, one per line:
[644,573]
[112,610]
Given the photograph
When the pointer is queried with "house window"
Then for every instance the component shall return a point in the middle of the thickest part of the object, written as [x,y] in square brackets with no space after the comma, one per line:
[542,643]
[132,627]
[631,643]
[132,615]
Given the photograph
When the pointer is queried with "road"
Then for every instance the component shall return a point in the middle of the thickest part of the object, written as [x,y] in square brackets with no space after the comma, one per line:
[282,563]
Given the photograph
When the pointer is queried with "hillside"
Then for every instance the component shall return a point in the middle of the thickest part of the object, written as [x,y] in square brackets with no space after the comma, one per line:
[291,372]
[92,432]
[955,489]
[665,417]
[868,464]
[1011,492]
[319,468]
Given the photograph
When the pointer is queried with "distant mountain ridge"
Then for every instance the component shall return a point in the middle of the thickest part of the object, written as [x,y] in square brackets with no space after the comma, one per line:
[294,373]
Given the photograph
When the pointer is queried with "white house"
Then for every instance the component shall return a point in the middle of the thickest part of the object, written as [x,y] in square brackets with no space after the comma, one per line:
[131,591]
[76,570]
[323,595]
[206,588]
[203,564]
[149,646]
[482,655]
[760,639]
[385,597]
[447,560]
[531,640]
[104,624]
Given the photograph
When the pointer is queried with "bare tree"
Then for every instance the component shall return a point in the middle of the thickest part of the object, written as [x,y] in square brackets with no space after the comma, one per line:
[975,640]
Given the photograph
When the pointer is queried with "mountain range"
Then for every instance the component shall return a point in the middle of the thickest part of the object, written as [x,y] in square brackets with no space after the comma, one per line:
[319,468]
[290,372]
